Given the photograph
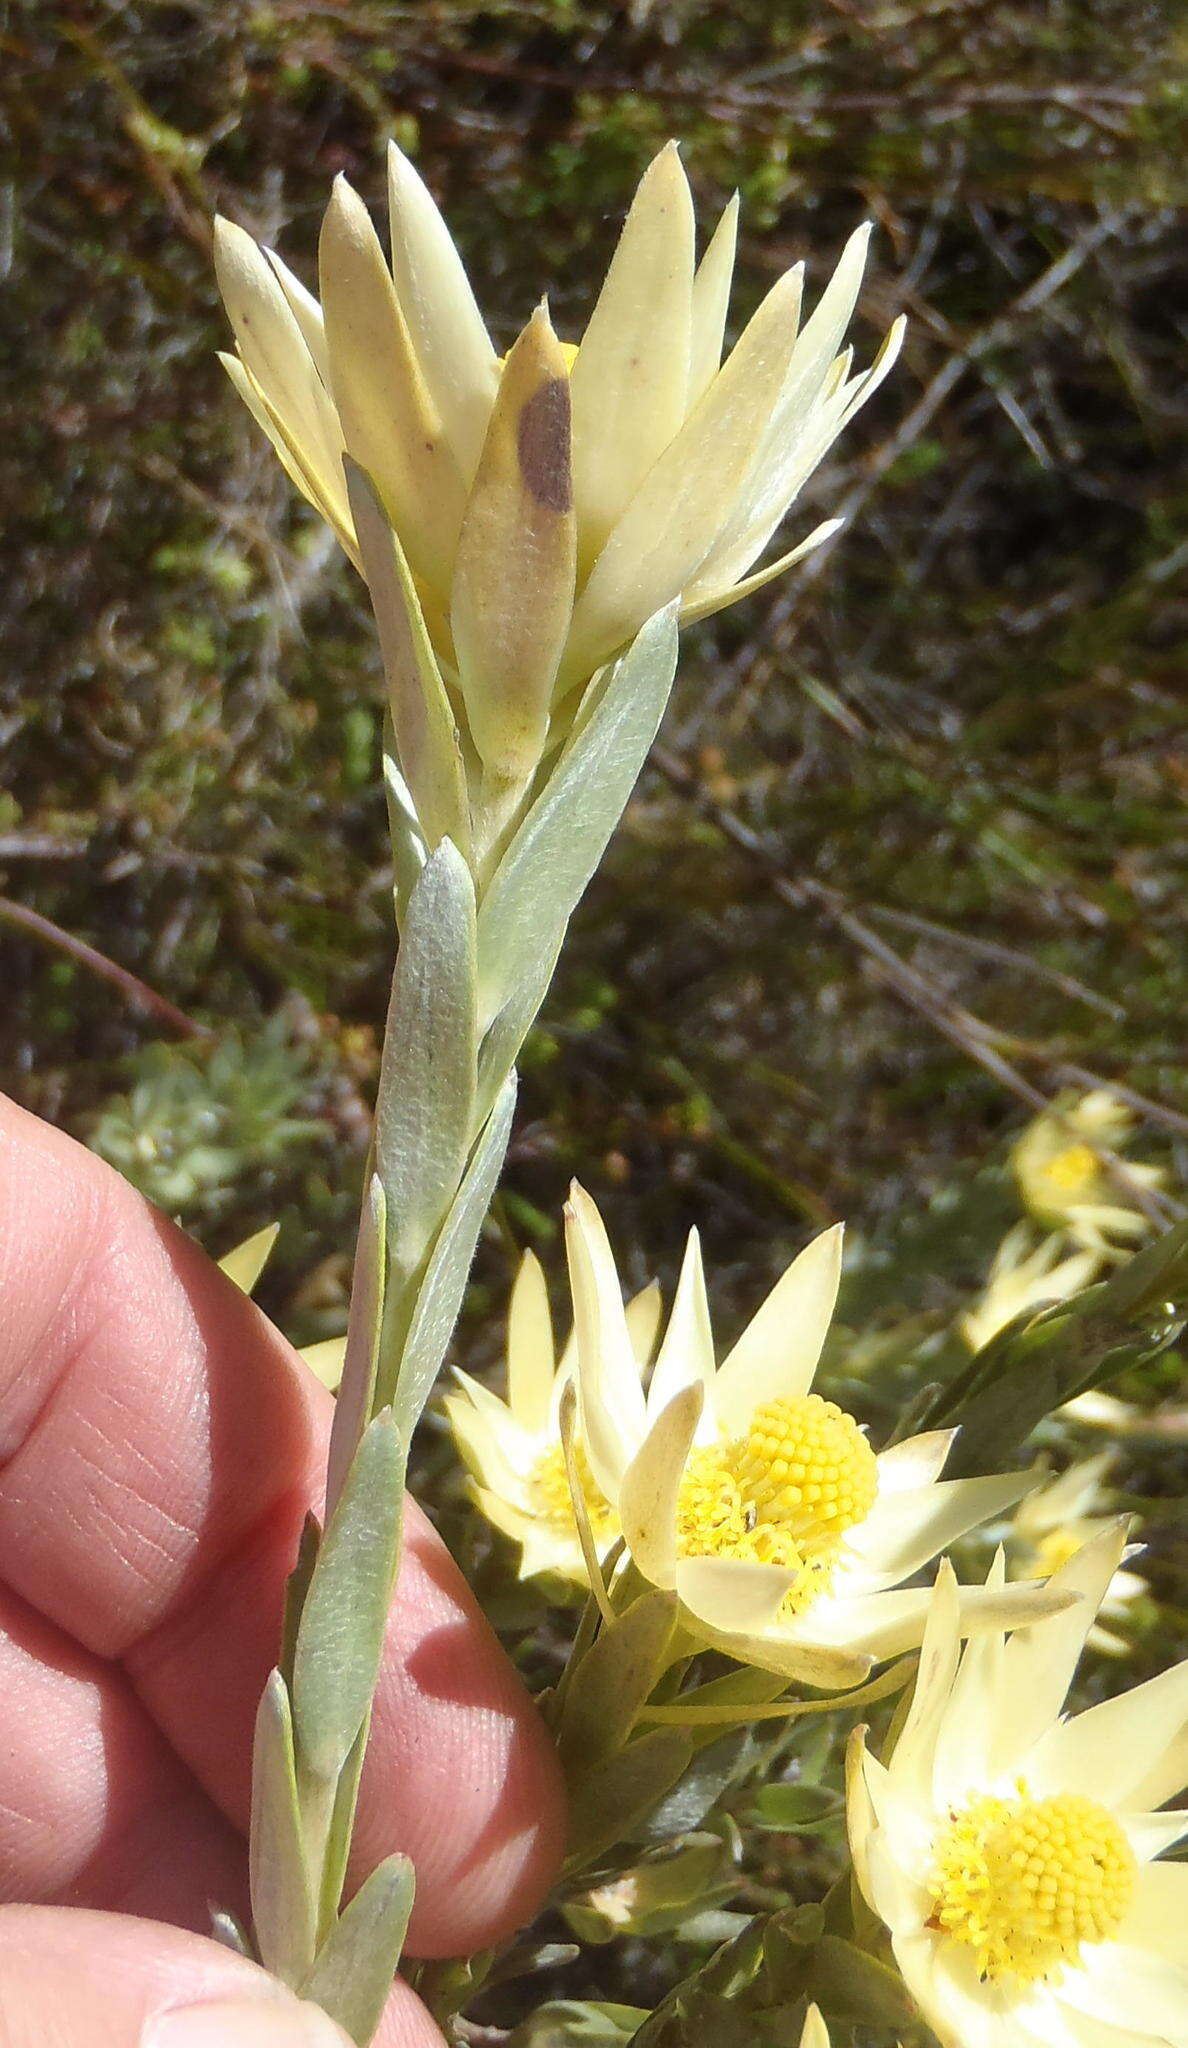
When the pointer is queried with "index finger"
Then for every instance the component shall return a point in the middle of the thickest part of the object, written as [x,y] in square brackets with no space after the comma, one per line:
[160,1445]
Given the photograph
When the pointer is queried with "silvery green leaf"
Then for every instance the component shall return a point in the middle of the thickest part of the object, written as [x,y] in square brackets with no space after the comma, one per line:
[523,1957]
[713,1768]
[283,1912]
[1042,1359]
[612,1801]
[346,1608]
[409,851]
[661,1894]
[578,2023]
[794,1809]
[741,1688]
[855,1988]
[544,871]
[364,1323]
[441,1291]
[230,1933]
[296,1588]
[337,1849]
[353,1973]
[425,1107]
[427,745]
[695,2015]
[613,1680]
[790,1942]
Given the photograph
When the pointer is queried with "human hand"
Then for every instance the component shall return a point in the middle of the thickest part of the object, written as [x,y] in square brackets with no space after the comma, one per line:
[160,1444]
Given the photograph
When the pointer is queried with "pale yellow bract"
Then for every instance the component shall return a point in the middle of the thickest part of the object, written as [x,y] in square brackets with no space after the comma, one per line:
[1026,1275]
[550,501]
[1056,1521]
[787,1539]
[1064,1179]
[1013,1854]
[513,1448]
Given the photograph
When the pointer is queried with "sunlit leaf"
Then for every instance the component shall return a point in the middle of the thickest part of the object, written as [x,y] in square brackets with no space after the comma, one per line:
[283,1914]
[346,1607]
[1042,1360]
[424,1110]
[364,1326]
[353,1973]
[613,1680]
[613,1799]
[440,1295]
[543,874]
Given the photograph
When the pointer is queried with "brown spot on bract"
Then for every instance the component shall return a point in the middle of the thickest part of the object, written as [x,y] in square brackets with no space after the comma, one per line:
[543,445]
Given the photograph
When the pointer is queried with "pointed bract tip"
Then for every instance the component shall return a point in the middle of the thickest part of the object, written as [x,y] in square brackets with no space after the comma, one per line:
[667,163]
[344,200]
[230,240]
[893,342]
[687,1402]
[539,323]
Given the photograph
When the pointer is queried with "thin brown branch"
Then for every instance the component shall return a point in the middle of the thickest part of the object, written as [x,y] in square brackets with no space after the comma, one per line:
[1003,956]
[1076,95]
[136,992]
[976,1039]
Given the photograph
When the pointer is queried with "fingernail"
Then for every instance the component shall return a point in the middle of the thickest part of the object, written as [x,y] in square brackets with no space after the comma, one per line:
[245,2023]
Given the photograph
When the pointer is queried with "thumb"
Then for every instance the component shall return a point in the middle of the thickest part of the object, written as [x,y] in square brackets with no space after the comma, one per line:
[102,1980]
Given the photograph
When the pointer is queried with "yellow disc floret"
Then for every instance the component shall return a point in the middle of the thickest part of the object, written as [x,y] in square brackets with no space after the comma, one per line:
[1023,1883]
[551,1496]
[1073,1170]
[806,1466]
[1055,1549]
[712,1520]
[785,1494]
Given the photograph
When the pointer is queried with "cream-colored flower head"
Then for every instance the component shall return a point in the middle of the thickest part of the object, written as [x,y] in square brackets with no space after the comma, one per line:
[1013,1853]
[1026,1275]
[1065,1183]
[550,502]
[513,1448]
[787,1538]
[1050,1526]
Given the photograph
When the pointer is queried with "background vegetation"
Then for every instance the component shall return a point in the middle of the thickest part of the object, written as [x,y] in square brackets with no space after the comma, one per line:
[912,855]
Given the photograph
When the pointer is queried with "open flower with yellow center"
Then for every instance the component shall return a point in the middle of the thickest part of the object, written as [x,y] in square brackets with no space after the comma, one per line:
[547,502]
[1062,1170]
[513,1448]
[1056,1521]
[1013,1854]
[786,1536]
[1024,1276]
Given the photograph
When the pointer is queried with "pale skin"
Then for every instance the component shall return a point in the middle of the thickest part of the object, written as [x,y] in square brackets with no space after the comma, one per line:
[159,1446]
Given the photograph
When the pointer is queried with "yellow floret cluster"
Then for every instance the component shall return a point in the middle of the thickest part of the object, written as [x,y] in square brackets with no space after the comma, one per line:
[552,1498]
[1024,1882]
[786,1493]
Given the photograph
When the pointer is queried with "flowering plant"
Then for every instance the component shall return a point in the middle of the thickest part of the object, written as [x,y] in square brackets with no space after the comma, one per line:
[744,1548]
